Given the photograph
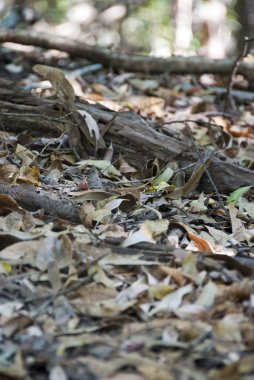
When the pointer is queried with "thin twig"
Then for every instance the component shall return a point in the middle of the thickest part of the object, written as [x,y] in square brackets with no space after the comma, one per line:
[229,100]
[63,292]
[207,171]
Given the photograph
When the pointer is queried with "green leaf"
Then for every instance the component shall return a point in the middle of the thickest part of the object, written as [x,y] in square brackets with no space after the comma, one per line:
[105,165]
[237,194]
[163,177]
[5,267]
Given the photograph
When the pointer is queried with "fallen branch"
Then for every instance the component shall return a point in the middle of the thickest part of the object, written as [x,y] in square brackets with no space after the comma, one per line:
[133,63]
[27,197]
[132,137]
[138,141]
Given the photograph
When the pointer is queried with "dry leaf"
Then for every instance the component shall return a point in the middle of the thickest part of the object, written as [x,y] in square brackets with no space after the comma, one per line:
[59,83]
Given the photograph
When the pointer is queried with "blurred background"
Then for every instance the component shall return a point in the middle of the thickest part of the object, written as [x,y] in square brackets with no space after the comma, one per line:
[210,28]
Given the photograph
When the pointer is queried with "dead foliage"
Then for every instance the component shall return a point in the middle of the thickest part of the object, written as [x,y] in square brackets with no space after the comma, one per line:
[126,228]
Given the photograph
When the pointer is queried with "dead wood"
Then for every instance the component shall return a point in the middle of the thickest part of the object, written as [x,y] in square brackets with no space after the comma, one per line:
[138,141]
[133,137]
[20,111]
[27,197]
[133,63]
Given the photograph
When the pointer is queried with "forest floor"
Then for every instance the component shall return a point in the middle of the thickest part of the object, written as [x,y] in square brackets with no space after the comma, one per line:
[124,254]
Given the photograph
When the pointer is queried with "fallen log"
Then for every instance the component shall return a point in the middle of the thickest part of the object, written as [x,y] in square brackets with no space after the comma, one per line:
[128,62]
[132,136]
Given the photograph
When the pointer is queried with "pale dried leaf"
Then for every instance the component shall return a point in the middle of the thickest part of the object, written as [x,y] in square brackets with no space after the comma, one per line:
[59,83]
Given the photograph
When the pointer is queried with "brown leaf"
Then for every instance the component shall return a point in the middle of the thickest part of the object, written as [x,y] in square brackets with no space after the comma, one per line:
[9,203]
[59,83]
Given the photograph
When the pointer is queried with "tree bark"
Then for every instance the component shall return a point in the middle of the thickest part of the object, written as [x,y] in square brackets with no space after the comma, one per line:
[27,197]
[136,139]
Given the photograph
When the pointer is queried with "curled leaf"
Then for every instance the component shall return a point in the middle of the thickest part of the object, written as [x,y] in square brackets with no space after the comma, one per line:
[59,83]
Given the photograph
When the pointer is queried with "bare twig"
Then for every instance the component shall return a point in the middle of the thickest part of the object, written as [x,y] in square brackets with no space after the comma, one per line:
[207,171]
[229,103]
[63,292]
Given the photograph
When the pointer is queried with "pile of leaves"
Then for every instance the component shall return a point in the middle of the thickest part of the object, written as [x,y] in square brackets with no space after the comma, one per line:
[153,279]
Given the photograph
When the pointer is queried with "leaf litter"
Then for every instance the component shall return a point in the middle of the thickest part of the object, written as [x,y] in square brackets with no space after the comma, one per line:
[156,279]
